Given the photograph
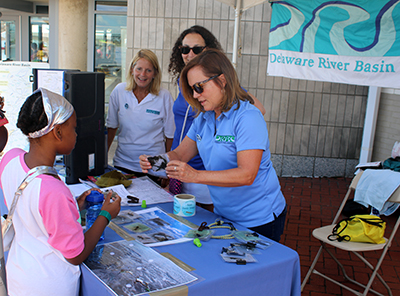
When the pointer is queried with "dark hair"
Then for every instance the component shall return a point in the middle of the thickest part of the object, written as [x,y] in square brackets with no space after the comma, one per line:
[31,117]
[214,62]
[176,62]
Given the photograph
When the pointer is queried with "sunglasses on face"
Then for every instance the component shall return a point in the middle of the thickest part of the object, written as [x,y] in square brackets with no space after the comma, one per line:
[195,49]
[198,87]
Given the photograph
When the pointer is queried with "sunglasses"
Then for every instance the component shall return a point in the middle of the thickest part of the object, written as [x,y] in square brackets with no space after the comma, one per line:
[198,87]
[195,49]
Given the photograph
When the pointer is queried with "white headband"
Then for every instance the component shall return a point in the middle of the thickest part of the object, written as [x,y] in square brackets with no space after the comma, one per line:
[57,110]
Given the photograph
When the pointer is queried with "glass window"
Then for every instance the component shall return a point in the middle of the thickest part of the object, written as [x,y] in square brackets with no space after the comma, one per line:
[110,49]
[7,40]
[39,39]
[119,6]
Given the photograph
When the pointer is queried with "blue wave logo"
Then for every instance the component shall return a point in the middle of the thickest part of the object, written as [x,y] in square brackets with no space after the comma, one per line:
[351,28]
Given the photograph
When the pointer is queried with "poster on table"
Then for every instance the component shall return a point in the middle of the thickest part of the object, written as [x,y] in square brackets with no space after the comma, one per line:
[129,268]
[152,227]
[353,42]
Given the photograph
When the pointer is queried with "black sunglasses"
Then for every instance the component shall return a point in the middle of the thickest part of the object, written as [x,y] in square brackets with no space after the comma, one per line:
[198,87]
[195,49]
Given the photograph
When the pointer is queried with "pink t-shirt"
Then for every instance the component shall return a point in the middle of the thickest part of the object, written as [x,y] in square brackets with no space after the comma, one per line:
[47,230]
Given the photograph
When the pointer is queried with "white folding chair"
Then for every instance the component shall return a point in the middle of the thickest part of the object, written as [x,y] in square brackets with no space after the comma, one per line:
[322,234]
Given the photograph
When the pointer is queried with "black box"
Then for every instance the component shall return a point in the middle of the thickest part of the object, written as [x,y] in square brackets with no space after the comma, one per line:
[85,91]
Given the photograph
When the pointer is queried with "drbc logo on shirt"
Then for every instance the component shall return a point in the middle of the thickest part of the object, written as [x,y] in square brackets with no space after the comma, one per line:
[225,139]
[153,111]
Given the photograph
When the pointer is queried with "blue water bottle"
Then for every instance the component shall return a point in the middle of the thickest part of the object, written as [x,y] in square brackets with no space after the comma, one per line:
[94,203]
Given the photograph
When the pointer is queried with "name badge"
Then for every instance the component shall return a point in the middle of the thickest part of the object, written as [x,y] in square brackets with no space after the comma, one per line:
[153,111]
[225,139]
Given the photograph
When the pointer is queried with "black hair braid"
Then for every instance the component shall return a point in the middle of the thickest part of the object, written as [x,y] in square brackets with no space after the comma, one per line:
[176,63]
[31,117]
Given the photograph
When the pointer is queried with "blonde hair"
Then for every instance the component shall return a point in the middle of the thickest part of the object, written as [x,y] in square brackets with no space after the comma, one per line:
[155,84]
[214,62]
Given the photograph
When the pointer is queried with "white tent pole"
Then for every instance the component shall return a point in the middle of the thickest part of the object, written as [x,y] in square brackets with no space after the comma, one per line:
[371,115]
[236,32]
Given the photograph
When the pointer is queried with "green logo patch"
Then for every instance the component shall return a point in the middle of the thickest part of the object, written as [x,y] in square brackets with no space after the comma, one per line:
[225,139]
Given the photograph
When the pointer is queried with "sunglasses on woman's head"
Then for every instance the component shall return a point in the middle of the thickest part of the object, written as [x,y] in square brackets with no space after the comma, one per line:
[195,49]
[198,87]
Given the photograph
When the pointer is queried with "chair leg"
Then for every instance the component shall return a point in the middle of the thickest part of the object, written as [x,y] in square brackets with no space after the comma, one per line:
[375,271]
[311,269]
[346,277]
[366,288]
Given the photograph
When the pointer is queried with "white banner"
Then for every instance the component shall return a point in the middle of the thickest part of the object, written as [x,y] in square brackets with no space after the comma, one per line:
[353,41]
[370,71]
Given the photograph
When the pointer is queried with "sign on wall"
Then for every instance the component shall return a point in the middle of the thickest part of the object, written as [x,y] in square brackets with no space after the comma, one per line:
[354,42]
[15,87]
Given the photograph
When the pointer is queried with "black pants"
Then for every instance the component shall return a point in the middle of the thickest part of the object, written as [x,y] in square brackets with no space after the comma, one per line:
[273,229]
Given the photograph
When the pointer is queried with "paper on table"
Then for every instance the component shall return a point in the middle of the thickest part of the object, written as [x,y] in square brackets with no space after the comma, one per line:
[121,191]
[145,189]
[78,189]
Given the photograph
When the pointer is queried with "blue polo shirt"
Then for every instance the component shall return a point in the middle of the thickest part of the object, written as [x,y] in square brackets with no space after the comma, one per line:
[218,141]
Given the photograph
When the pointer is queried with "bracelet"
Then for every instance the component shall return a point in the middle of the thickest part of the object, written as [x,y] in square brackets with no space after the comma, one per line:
[105,214]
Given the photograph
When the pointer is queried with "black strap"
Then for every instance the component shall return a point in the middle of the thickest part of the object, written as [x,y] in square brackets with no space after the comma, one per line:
[373,221]
[335,236]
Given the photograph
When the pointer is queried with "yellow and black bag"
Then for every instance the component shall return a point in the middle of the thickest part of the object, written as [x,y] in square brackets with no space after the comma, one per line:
[359,228]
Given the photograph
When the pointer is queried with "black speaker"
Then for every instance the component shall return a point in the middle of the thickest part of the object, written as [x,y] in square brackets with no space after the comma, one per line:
[85,91]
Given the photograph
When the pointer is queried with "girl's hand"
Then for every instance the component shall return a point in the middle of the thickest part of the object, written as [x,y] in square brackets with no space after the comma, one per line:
[112,204]
[182,171]
[145,165]
[81,199]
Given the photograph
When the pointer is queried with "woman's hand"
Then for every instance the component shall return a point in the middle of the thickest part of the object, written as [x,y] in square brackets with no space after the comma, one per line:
[145,165]
[182,171]
[81,199]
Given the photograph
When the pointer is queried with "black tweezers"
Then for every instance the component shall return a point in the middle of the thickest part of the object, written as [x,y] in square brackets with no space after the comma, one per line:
[132,199]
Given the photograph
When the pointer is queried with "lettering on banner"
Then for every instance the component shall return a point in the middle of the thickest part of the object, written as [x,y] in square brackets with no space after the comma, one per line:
[324,63]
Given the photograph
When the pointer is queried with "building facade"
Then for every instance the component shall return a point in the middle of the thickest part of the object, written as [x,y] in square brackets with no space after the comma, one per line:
[315,128]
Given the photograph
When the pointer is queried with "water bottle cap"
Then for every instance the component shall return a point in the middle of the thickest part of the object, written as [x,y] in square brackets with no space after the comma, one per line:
[95,196]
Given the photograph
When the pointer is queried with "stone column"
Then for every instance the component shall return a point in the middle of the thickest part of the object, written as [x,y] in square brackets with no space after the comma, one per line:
[72,34]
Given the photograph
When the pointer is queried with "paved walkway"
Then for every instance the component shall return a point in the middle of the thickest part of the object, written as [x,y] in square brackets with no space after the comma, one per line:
[313,202]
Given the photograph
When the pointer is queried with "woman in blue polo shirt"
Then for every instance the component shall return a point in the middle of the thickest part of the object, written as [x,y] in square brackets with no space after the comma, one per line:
[189,44]
[231,136]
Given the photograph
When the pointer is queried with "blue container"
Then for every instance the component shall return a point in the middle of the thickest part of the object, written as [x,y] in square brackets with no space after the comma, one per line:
[96,254]
[94,203]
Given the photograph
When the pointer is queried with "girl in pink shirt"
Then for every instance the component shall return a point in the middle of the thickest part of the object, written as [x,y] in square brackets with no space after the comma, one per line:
[49,243]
